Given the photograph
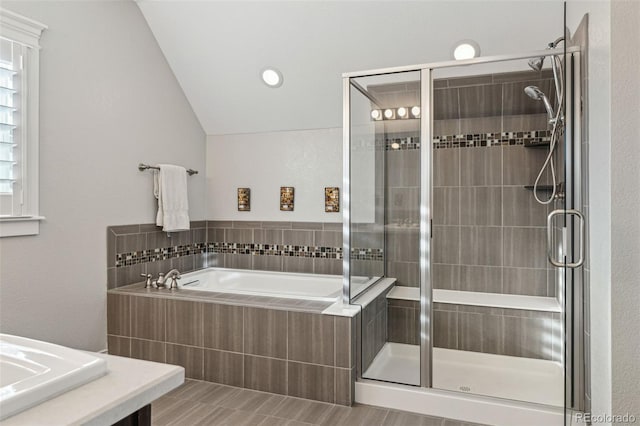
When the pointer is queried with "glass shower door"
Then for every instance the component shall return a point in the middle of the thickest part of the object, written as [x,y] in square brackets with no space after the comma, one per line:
[497,307]
[384,150]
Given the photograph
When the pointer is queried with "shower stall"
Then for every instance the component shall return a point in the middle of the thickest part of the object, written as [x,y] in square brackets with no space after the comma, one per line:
[463,237]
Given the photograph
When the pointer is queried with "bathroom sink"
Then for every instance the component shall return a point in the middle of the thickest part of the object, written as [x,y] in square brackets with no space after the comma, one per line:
[32,372]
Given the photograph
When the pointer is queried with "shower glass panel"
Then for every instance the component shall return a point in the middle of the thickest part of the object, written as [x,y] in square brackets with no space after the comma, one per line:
[385,220]
[497,312]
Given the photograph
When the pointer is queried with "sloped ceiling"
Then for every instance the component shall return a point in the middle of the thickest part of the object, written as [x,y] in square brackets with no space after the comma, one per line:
[217,50]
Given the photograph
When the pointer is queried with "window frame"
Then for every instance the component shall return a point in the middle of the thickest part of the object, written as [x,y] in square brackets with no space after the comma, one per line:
[27,32]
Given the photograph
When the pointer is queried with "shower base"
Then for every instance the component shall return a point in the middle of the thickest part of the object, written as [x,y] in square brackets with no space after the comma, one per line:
[523,379]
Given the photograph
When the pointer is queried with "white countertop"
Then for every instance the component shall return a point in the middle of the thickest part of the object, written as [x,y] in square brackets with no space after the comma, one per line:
[404,293]
[474,298]
[129,385]
[497,300]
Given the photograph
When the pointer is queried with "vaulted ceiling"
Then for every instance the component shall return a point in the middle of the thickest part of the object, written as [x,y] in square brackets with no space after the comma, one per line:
[218,48]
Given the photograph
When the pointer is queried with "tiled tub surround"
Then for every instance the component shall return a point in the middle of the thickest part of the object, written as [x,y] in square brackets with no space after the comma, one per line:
[301,237]
[281,346]
[145,249]
[307,247]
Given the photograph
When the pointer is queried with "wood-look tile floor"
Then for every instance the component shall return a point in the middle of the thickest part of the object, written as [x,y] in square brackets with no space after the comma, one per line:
[203,403]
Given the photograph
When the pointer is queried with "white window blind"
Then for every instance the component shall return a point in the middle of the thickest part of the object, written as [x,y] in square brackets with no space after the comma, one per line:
[11,104]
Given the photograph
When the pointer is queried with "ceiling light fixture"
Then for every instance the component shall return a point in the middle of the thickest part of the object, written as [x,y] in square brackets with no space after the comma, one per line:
[376,114]
[402,112]
[271,77]
[415,111]
[465,49]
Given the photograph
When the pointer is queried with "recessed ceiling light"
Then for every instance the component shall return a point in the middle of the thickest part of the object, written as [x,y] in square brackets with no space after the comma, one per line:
[376,114]
[402,112]
[415,111]
[388,113]
[272,77]
[466,49]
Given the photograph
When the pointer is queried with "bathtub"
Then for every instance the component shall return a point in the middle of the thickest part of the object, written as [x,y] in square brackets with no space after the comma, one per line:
[327,288]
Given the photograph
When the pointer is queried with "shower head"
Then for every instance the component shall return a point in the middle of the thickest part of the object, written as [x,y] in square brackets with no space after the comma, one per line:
[536,63]
[535,93]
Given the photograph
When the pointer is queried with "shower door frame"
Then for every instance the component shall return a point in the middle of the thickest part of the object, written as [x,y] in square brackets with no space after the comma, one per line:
[573,355]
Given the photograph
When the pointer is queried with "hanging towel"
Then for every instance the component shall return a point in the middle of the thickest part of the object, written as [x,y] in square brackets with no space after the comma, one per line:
[170,188]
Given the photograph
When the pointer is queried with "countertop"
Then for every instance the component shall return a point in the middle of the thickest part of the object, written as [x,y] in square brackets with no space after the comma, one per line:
[129,385]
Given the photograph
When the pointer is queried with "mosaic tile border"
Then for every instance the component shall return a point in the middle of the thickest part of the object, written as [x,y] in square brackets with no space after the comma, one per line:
[287,250]
[472,140]
[275,250]
[157,254]
[534,137]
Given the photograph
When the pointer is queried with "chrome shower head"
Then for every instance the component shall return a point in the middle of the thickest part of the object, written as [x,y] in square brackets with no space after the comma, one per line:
[536,63]
[534,92]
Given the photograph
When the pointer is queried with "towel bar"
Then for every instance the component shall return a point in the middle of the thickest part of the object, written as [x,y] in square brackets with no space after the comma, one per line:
[142,167]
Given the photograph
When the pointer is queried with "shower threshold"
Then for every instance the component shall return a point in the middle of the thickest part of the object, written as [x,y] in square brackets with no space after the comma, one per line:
[515,378]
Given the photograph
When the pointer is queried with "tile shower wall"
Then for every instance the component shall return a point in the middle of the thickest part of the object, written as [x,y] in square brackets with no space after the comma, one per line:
[308,247]
[488,230]
[512,332]
[302,354]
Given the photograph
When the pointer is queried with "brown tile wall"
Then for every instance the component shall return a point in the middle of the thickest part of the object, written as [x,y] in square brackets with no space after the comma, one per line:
[306,355]
[133,250]
[488,231]
[512,332]
[311,234]
[373,325]
[403,324]
[147,241]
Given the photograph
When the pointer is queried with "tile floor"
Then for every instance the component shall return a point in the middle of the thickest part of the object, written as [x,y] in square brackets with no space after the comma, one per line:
[204,403]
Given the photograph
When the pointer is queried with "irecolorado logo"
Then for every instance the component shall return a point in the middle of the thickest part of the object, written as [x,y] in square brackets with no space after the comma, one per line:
[605,418]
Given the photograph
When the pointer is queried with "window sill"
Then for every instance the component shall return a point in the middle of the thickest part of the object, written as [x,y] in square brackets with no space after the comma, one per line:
[20,226]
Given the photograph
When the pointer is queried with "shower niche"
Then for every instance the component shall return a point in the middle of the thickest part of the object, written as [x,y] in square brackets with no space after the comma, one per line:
[450,174]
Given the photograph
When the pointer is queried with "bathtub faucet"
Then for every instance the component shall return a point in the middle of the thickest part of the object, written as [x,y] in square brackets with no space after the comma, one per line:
[173,275]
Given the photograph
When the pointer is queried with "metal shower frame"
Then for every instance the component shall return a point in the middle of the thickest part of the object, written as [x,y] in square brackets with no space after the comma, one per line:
[573,359]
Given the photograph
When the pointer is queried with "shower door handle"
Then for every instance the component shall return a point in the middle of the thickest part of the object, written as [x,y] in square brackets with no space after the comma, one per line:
[552,259]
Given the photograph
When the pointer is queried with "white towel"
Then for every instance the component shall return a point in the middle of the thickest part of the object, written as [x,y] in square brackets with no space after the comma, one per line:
[170,188]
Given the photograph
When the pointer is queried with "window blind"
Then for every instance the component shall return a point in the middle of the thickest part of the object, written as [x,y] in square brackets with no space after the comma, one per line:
[10,149]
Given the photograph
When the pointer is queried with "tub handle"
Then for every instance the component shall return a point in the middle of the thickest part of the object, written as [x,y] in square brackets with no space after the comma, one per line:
[148,283]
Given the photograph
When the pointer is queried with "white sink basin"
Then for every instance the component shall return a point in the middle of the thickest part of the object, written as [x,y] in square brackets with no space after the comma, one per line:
[32,372]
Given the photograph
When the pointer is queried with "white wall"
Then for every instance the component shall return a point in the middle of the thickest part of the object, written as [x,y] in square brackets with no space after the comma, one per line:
[308,160]
[625,200]
[614,93]
[599,88]
[108,101]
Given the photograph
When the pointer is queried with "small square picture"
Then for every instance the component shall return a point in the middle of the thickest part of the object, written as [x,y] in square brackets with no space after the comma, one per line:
[332,199]
[244,199]
[286,198]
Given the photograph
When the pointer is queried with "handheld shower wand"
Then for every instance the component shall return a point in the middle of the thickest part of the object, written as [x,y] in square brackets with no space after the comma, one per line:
[534,92]
[556,121]
[555,118]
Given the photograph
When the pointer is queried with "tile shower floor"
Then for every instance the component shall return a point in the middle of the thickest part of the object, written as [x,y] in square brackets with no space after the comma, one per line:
[204,403]
[523,379]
